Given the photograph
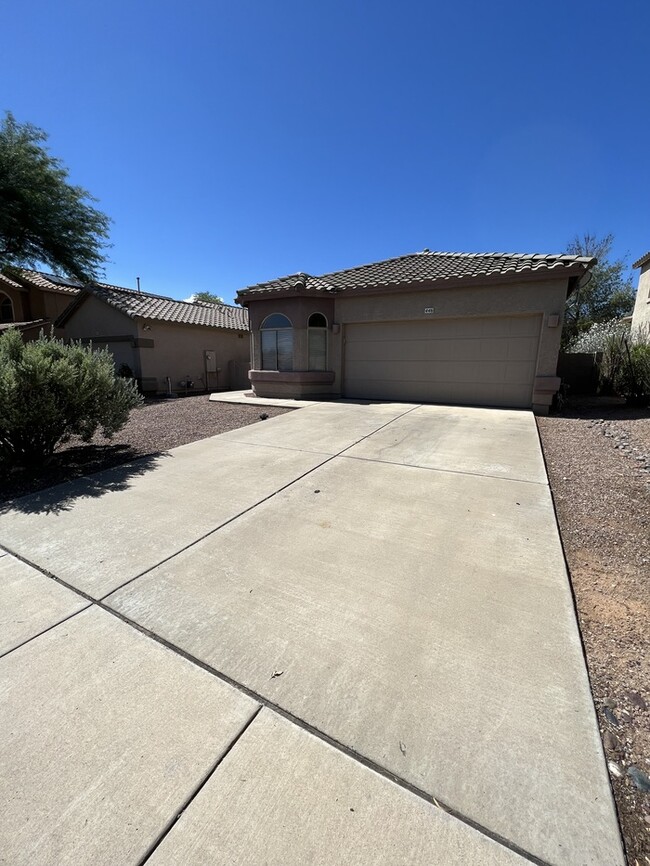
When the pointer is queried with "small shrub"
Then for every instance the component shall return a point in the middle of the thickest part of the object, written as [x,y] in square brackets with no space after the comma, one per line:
[50,391]
[625,368]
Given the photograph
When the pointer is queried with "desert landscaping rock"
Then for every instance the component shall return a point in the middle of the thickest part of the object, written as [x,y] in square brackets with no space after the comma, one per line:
[636,700]
[604,516]
[639,778]
[611,742]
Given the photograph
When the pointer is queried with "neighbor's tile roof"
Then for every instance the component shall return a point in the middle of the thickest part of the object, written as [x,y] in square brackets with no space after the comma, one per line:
[52,283]
[147,306]
[421,267]
[639,263]
[23,326]
[12,283]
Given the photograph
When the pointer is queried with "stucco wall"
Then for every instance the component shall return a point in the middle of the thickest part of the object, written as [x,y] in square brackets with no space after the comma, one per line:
[641,315]
[19,301]
[94,318]
[178,352]
[98,322]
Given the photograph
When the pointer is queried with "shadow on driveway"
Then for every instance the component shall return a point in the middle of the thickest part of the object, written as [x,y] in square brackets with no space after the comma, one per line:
[52,500]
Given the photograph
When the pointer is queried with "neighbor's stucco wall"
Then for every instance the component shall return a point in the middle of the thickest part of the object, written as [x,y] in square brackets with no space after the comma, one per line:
[93,318]
[19,301]
[641,314]
[178,352]
[101,324]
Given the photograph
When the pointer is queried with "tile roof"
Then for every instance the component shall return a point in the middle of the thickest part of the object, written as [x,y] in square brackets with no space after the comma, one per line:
[639,263]
[7,281]
[144,305]
[23,326]
[139,304]
[51,283]
[422,267]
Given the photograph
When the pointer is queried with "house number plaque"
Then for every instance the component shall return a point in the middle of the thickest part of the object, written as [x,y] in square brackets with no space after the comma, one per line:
[428,310]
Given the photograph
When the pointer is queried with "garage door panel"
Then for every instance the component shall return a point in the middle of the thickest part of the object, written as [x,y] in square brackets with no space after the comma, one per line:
[488,361]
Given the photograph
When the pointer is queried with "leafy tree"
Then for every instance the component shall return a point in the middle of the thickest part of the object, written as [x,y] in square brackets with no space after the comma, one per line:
[50,391]
[207,298]
[43,218]
[609,294]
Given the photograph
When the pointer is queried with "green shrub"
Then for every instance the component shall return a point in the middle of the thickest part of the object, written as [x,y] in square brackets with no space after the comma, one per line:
[50,391]
[625,367]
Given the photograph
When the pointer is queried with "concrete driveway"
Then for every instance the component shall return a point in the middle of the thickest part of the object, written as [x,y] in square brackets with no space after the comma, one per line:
[343,635]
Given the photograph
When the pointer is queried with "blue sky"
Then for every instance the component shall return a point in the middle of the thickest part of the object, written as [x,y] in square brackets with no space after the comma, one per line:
[233,142]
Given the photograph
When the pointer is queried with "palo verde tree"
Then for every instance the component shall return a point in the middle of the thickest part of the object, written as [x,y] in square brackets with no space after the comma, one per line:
[608,295]
[43,218]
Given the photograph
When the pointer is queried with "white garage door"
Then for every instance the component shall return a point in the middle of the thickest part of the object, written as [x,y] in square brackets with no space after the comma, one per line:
[476,361]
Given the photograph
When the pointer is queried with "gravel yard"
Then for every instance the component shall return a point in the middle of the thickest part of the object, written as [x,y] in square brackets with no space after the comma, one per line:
[154,427]
[598,461]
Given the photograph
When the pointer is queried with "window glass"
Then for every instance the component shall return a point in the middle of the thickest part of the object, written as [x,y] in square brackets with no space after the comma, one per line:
[6,309]
[276,336]
[317,349]
[277,320]
[317,337]
[269,350]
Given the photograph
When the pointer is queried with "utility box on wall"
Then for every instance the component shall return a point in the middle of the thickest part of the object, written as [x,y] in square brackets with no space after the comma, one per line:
[210,361]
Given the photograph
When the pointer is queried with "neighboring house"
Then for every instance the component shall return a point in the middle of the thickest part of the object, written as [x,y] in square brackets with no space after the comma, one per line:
[32,301]
[166,345]
[641,314]
[466,328]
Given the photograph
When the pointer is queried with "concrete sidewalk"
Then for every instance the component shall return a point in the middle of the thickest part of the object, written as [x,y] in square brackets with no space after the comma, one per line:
[384,582]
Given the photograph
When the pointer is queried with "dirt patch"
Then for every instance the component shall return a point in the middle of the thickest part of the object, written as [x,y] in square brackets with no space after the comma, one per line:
[598,460]
[153,428]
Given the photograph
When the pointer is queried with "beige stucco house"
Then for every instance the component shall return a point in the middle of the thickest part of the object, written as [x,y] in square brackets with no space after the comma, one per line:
[466,328]
[167,345]
[641,314]
[32,301]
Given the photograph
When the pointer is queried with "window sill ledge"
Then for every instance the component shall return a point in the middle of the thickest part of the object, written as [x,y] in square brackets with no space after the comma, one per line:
[297,377]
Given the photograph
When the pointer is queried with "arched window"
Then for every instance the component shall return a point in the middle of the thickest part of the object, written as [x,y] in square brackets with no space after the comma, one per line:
[6,308]
[276,333]
[317,336]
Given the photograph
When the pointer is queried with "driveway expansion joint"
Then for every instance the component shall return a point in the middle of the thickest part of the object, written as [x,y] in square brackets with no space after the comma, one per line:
[440,469]
[256,504]
[198,788]
[262,703]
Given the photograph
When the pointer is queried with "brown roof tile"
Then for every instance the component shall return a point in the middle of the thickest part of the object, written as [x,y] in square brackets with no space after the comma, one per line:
[23,326]
[51,283]
[141,304]
[639,263]
[7,281]
[421,267]
[144,305]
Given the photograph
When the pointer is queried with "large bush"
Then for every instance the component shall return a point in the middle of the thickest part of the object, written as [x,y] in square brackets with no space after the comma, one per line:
[595,338]
[50,391]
